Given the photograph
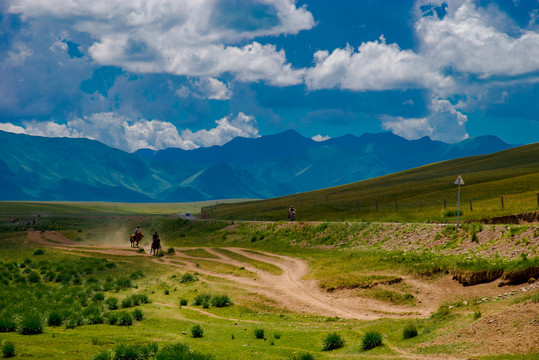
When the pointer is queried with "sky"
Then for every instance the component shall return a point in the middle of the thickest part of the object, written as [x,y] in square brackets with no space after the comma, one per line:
[195,73]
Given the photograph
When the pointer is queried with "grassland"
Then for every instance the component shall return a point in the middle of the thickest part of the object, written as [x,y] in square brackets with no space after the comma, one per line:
[415,195]
[383,263]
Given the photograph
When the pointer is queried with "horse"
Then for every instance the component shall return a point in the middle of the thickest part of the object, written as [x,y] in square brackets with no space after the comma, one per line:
[155,246]
[135,238]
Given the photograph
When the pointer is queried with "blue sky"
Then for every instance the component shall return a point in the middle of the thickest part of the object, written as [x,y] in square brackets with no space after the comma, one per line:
[185,73]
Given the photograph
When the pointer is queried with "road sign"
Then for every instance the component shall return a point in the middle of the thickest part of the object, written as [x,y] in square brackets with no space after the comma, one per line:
[459,181]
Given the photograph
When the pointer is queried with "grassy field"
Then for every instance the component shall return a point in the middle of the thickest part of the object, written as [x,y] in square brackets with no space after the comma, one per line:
[415,195]
[71,288]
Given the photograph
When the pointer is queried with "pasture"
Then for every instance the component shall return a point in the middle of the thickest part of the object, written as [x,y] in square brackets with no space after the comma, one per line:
[261,290]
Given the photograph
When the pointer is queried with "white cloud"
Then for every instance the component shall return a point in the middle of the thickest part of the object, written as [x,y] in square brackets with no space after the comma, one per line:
[227,128]
[375,66]
[444,122]
[468,40]
[180,37]
[121,132]
[205,88]
[320,138]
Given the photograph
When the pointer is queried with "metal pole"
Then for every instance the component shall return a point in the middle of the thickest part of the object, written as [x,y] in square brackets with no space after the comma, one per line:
[458,208]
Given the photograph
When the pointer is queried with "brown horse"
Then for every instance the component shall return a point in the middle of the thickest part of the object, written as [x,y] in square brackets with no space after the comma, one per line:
[135,238]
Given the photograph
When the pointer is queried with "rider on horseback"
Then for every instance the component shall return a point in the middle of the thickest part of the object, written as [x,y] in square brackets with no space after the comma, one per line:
[138,230]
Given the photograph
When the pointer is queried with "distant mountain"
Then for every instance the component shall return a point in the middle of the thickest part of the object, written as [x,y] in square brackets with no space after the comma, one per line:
[39,168]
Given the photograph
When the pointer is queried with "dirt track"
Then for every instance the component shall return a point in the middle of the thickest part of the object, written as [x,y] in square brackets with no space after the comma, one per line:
[290,290]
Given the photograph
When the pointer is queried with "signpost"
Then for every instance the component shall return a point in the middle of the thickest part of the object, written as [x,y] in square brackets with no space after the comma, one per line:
[458,182]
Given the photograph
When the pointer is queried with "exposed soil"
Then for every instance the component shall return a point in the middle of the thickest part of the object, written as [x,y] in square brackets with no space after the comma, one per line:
[496,332]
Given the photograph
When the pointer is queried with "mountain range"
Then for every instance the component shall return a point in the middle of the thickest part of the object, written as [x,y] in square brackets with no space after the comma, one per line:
[73,169]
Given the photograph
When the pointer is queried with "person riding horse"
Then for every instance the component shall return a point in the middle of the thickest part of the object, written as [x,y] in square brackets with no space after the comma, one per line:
[156,244]
[136,237]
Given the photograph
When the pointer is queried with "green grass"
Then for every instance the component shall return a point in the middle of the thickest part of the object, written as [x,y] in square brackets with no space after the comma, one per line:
[512,174]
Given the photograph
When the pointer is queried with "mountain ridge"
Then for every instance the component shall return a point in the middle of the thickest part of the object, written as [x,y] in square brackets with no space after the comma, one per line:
[41,168]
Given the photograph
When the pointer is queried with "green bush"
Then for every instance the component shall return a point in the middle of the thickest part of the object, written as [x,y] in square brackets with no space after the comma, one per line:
[277,335]
[221,301]
[111,318]
[127,302]
[55,319]
[476,315]
[73,320]
[102,355]
[98,297]
[371,340]
[171,251]
[39,252]
[183,302]
[197,331]
[180,351]
[7,323]
[139,274]
[111,303]
[31,323]
[302,357]
[332,341]
[128,352]
[186,278]
[138,315]
[8,349]
[124,319]
[259,333]
[201,298]
[409,332]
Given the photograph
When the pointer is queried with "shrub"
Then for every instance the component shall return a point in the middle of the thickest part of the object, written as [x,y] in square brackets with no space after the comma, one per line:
[7,324]
[98,297]
[55,319]
[197,331]
[201,298]
[139,274]
[180,351]
[95,319]
[128,352]
[183,302]
[171,251]
[277,335]
[33,277]
[110,265]
[137,314]
[302,357]
[476,315]
[111,318]
[186,278]
[167,292]
[102,355]
[31,323]
[111,303]
[127,302]
[140,299]
[371,340]
[141,250]
[259,333]
[39,252]
[221,301]
[124,283]
[8,349]
[124,319]
[73,320]
[409,332]
[332,341]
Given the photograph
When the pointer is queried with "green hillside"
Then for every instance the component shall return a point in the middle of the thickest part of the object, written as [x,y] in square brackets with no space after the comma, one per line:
[415,195]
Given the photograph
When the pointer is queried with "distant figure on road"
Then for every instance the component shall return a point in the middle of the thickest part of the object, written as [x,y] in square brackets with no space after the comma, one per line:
[292,213]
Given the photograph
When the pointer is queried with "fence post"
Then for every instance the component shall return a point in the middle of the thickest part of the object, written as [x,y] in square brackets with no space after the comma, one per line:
[471,209]
[444,203]
[502,201]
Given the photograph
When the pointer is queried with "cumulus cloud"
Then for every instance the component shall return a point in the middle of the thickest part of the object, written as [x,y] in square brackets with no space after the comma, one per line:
[205,88]
[375,66]
[180,37]
[123,133]
[444,122]
[320,138]
[468,41]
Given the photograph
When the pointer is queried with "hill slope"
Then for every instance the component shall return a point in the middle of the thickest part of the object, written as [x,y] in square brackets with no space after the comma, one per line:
[417,194]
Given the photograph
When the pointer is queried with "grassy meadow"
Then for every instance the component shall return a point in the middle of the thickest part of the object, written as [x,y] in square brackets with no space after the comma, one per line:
[99,299]
[415,195]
